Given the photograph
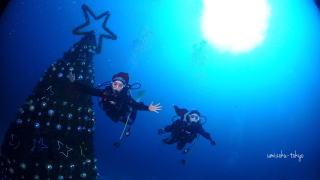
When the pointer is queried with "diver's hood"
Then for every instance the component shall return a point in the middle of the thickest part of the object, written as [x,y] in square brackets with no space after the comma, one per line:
[194,112]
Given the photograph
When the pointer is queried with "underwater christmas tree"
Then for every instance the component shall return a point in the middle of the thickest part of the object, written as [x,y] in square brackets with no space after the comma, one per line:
[52,136]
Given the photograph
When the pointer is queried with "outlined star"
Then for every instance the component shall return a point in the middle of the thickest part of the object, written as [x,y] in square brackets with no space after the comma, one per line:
[87,11]
[66,149]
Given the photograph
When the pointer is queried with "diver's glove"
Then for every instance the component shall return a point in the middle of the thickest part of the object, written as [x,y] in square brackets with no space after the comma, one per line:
[161,131]
[213,143]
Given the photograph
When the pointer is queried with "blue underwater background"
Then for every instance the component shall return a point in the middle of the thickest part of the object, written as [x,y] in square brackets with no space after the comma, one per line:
[259,102]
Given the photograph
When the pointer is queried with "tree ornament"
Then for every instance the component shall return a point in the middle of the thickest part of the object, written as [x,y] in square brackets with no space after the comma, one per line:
[69,116]
[49,167]
[80,77]
[36,177]
[79,109]
[23,165]
[83,175]
[20,110]
[51,112]
[31,108]
[36,125]
[58,126]
[19,121]
[43,104]
[60,75]
[11,170]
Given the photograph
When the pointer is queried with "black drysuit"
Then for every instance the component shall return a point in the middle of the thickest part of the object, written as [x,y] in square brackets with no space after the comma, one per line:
[119,106]
[183,132]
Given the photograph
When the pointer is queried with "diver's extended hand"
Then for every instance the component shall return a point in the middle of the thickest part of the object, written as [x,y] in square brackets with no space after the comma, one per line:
[72,77]
[155,108]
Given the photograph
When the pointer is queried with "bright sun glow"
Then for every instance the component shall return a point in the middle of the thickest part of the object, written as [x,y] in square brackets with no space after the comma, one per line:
[235,25]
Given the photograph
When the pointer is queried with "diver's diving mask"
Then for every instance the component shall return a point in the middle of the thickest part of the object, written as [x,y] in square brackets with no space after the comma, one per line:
[117,85]
[194,117]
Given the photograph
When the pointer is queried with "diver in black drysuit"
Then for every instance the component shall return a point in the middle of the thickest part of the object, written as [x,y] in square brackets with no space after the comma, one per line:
[115,99]
[185,129]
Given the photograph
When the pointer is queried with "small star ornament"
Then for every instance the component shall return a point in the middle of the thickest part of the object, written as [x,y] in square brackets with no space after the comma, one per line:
[64,149]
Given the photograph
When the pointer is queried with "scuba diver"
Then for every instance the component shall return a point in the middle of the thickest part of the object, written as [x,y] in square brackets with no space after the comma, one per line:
[116,100]
[185,129]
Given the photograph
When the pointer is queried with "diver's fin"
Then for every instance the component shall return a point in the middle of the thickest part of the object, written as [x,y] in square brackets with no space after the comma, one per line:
[180,111]
[116,144]
[183,161]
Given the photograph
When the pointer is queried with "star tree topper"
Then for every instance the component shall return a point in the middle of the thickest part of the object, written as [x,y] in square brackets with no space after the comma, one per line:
[88,26]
